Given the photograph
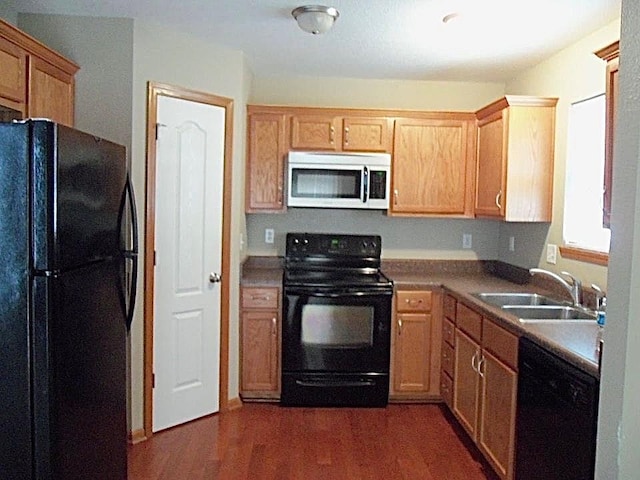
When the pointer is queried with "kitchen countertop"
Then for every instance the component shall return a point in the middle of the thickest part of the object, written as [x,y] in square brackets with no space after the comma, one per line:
[574,341]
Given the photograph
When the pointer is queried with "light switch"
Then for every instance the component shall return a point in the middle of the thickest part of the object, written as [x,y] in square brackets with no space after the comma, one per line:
[552,253]
[467,240]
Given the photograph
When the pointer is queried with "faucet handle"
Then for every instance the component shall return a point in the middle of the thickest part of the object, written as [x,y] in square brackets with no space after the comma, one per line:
[601,297]
[576,281]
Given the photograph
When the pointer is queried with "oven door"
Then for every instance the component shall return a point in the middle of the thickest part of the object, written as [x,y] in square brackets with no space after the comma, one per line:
[336,331]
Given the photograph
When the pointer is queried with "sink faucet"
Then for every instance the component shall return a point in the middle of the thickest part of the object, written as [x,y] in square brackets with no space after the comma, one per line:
[574,288]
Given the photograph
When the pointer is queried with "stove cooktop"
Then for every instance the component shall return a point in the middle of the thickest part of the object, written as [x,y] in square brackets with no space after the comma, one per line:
[336,278]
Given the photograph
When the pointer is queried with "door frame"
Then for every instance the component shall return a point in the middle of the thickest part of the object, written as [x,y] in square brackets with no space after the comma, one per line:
[155,89]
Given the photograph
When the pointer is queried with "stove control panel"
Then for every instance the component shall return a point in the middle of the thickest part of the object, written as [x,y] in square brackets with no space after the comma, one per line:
[321,244]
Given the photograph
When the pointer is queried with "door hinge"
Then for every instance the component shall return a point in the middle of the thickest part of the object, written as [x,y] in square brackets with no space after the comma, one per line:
[153,380]
[154,258]
[158,125]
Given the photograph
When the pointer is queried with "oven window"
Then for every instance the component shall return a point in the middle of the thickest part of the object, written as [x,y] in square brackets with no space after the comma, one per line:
[323,183]
[337,326]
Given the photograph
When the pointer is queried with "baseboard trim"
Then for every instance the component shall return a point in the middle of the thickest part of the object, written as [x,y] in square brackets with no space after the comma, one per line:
[234,404]
[137,436]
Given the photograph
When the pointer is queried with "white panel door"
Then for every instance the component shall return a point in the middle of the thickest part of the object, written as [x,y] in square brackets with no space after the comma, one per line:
[188,230]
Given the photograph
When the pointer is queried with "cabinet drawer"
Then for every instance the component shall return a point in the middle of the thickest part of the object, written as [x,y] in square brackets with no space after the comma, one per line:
[448,358]
[501,343]
[469,321]
[260,298]
[414,301]
[446,389]
[448,332]
[450,308]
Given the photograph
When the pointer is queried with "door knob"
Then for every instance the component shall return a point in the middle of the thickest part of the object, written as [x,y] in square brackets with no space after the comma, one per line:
[215,278]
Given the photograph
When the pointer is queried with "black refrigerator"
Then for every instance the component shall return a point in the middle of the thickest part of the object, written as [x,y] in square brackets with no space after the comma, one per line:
[68,247]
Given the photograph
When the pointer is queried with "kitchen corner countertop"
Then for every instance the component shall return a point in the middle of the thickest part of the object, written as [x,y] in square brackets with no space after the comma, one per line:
[575,342]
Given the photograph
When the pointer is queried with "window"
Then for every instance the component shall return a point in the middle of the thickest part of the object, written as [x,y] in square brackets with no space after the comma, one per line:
[583,207]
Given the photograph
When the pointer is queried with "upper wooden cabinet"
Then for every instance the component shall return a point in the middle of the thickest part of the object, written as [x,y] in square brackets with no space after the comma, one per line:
[266,150]
[432,166]
[611,55]
[337,133]
[35,81]
[13,72]
[515,155]
[51,92]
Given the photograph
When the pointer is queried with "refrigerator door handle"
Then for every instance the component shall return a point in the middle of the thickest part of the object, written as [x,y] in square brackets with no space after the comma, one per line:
[132,254]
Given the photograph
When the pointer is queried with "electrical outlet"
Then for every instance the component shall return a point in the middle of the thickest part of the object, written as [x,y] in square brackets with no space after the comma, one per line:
[467,240]
[552,253]
[512,244]
[268,235]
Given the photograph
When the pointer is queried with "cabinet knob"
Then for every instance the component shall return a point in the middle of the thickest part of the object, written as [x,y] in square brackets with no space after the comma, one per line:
[395,196]
[333,134]
[274,329]
[399,326]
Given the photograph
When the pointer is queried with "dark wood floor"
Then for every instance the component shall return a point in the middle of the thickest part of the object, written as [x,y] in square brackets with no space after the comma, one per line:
[266,441]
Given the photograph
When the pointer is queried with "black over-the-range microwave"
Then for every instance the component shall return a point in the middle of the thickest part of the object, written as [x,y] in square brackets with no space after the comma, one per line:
[338,180]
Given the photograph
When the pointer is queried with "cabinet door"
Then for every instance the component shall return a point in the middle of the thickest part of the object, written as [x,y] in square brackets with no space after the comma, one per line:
[466,383]
[430,170]
[366,134]
[265,162]
[51,92]
[260,354]
[498,413]
[412,353]
[490,181]
[316,132]
[13,72]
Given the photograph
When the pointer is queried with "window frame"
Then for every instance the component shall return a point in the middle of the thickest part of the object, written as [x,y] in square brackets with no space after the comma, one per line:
[610,54]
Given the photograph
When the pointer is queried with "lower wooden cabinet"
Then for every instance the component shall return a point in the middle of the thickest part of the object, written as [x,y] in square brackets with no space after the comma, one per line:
[260,332]
[448,349]
[415,346]
[485,385]
[466,383]
[497,414]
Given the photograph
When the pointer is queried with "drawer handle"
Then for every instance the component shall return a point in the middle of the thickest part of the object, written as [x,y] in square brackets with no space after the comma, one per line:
[260,297]
[413,301]
[399,326]
[498,198]
[274,330]
[333,134]
[346,136]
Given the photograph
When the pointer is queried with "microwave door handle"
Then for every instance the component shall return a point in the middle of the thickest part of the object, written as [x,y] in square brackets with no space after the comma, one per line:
[365,189]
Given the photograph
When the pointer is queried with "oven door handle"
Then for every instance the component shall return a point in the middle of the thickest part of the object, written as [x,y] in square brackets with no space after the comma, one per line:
[334,383]
[358,293]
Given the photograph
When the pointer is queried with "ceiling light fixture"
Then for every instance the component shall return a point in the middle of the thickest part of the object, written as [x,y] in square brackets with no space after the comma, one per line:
[315,19]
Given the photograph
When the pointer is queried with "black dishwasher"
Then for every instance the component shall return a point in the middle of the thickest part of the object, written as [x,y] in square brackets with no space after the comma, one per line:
[556,417]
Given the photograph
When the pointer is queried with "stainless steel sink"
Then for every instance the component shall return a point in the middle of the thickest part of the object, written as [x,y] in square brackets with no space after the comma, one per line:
[516,299]
[549,313]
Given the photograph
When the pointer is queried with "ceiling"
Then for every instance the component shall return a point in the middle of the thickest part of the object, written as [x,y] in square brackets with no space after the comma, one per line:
[490,40]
